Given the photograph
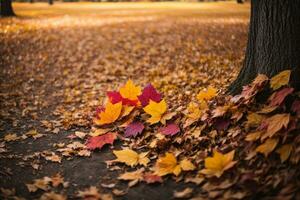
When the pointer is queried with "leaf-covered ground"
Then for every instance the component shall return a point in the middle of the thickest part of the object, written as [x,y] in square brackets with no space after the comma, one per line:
[57,65]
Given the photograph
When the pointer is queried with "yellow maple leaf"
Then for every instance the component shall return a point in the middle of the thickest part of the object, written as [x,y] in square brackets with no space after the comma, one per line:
[280,79]
[267,147]
[110,114]
[216,165]
[131,158]
[130,91]
[156,110]
[186,165]
[207,95]
[167,165]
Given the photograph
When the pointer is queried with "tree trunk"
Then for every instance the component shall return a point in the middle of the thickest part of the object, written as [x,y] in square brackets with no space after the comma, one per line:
[50,2]
[6,9]
[273,42]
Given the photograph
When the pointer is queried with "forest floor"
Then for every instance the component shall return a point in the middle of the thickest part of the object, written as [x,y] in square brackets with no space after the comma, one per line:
[57,62]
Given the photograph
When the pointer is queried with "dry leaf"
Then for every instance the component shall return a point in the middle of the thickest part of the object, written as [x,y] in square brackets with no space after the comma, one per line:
[156,110]
[280,79]
[216,165]
[110,114]
[267,147]
[284,152]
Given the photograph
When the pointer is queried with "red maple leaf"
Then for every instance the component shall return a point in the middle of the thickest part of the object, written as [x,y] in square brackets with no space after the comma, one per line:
[152,178]
[278,97]
[116,97]
[296,107]
[99,141]
[149,92]
[170,129]
[134,128]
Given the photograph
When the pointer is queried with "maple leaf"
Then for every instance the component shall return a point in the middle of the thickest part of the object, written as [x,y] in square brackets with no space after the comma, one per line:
[149,92]
[267,147]
[134,128]
[187,165]
[90,193]
[216,165]
[130,91]
[156,110]
[276,123]
[116,97]
[131,158]
[170,129]
[167,165]
[280,79]
[98,142]
[152,178]
[206,95]
[134,177]
[110,114]
[284,152]
[278,97]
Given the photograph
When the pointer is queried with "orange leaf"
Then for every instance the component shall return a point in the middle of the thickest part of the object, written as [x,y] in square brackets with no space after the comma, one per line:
[267,147]
[130,91]
[216,165]
[280,79]
[110,114]
[275,123]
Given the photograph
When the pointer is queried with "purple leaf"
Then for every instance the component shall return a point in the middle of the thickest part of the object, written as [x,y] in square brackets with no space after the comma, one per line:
[133,129]
[221,124]
[170,129]
[149,92]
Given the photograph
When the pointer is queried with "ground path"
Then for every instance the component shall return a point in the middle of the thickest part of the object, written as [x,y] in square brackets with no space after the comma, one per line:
[56,64]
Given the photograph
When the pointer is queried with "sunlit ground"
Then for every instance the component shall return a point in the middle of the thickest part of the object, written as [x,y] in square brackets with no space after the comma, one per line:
[57,62]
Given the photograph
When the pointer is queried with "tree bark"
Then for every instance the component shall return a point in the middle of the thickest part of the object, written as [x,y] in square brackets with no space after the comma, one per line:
[273,42]
[6,9]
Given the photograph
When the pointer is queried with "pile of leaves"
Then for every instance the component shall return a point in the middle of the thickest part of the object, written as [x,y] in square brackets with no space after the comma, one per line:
[233,147]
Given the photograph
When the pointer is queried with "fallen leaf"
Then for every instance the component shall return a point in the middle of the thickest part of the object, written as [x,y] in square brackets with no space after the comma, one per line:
[116,97]
[98,142]
[284,152]
[133,129]
[10,137]
[206,95]
[170,129]
[52,196]
[80,134]
[280,79]
[276,123]
[267,147]
[278,97]
[156,110]
[110,114]
[167,165]
[130,91]
[131,158]
[90,193]
[152,178]
[216,165]
[149,93]
[186,193]
[187,165]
